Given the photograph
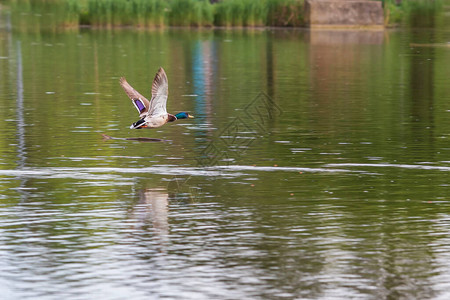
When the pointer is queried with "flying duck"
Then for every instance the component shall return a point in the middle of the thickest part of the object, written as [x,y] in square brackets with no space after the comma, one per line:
[152,113]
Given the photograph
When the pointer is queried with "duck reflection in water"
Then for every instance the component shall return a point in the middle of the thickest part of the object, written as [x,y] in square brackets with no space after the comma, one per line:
[153,206]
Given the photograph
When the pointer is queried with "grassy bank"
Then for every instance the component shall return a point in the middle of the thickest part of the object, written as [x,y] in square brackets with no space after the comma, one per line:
[412,11]
[196,13]
[160,13]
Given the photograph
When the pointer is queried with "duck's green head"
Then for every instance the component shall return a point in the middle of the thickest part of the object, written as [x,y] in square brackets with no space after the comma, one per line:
[183,115]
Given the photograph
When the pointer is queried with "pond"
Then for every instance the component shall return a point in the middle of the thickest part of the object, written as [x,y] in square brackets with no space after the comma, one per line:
[317,165]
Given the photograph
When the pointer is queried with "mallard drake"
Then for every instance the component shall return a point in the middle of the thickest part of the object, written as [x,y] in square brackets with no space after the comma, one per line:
[153,113]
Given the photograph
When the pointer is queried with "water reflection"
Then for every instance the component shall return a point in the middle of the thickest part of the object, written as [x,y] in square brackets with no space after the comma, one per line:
[421,96]
[20,108]
[204,73]
[153,208]
[339,60]
[320,37]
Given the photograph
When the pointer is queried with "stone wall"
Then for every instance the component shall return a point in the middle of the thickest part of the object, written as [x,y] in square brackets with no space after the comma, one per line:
[344,13]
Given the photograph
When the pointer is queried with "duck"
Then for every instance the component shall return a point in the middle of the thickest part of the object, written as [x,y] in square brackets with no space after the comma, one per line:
[153,113]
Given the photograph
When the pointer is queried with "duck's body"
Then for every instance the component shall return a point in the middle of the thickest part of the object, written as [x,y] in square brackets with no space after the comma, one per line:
[153,113]
[158,121]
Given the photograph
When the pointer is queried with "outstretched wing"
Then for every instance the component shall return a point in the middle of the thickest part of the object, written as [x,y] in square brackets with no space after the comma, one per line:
[160,92]
[140,102]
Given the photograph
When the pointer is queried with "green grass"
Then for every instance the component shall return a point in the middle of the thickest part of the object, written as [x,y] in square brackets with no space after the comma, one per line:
[240,13]
[71,13]
[190,13]
[410,11]
[142,13]
[200,13]
[285,13]
[149,13]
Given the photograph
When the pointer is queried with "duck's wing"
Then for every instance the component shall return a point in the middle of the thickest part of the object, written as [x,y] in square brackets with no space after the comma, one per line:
[140,102]
[160,92]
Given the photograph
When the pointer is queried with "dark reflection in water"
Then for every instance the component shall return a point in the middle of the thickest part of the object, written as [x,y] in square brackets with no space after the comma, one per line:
[342,194]
[422,102]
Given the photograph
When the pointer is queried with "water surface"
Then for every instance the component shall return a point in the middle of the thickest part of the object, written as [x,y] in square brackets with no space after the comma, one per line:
[317,165]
